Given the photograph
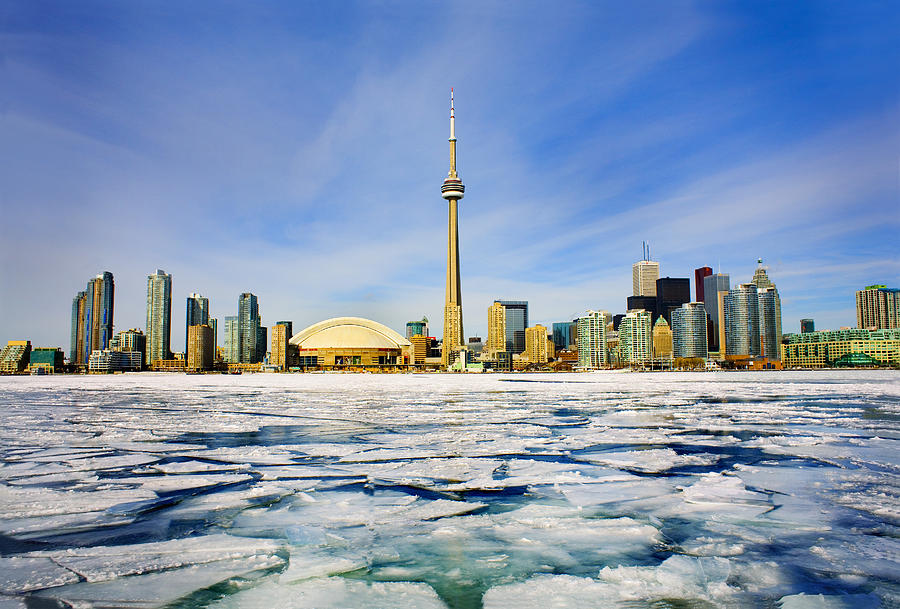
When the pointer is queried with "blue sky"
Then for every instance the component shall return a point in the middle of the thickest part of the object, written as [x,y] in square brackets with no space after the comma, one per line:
[296,150]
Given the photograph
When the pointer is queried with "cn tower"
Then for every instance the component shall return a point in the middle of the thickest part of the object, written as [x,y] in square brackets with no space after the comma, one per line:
[452,190]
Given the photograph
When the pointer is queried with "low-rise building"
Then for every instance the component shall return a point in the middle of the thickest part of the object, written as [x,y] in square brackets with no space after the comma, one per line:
[107,360]
[15,356]
[46,360]
[841,348]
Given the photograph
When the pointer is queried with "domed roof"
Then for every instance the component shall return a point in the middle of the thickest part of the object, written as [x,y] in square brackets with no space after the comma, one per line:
[348,333]
[661,322]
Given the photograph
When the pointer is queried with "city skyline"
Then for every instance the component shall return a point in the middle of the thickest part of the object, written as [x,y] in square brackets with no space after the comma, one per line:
[784,154]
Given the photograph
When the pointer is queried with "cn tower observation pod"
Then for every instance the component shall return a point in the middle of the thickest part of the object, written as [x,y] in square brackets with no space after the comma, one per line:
[352,342]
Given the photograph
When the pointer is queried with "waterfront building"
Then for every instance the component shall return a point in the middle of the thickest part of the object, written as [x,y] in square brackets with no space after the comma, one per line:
[281,335]
[201,348]
[647,303]
[196,314]
[769,330]
[159,317]
[15,356]
[453,190]
[662,340]
[592,339]
[107,360]
[417,327]
[76,350]
[807,325]
[536,344]
[92,317]
[563,335]
[770,317]
[839,348]
[496,338]
[232,340]
[352,342]
[130,340]
[213,323]
[421,348]
[249,330]
[671,293]
[262,333]
[715,287]
[689,330]
[46,360]
[635,338]
[699,282]
[742,322]
[516,321]
[878,307]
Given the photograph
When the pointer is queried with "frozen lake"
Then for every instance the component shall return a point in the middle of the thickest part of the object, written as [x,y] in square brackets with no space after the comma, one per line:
[450,491]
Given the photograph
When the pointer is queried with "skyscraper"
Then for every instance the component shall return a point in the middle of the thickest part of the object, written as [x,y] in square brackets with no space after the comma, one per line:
[536,344]
[197,314]
[249,329]
[715,287]
[159,316]
[699,275]
[232,339]
[769,330]
[878,307]
[644,274]
[591,330]
[453,190]
[671,293]
[76,352]
[742,321]
[635,337]
[199,354]
[516,322]
[496,329]
[92,318]
[563,335]
[807,325]
[417,327]
[647,303]
[773,325]
[689,330]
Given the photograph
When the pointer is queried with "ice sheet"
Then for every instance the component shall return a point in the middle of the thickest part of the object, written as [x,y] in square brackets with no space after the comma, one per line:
[335,593]
[606,487]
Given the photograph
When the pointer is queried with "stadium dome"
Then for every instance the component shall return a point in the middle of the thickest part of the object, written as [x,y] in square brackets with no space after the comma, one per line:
[352,341]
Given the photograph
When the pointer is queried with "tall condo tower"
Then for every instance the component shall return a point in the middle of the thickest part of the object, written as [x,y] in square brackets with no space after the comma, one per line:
[452,190]
[159,316]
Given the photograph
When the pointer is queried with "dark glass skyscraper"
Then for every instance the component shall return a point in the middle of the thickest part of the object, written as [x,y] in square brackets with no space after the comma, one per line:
[648,303]
[516,322]
[671,293]
[807,325]
[712,285]
[249,329]
[563,334]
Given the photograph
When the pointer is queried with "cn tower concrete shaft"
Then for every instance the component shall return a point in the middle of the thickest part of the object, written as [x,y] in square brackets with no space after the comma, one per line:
[452,190]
